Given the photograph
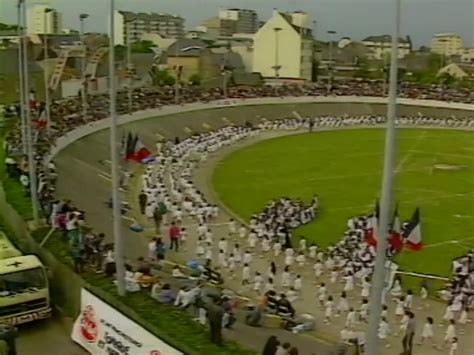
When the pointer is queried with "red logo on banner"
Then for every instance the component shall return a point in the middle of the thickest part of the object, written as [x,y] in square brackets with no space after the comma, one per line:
[89,328]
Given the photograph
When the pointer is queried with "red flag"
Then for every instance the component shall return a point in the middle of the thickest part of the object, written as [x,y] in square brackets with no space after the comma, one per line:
[141,152]
[396,241]
[413,232]
[372,225]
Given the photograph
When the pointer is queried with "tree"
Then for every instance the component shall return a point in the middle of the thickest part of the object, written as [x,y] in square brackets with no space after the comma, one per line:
[162,77]
[8,27]
[315,71]
[195,79]
[143,47]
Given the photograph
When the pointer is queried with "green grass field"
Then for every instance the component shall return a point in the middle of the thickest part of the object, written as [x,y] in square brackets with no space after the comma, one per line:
[344,168]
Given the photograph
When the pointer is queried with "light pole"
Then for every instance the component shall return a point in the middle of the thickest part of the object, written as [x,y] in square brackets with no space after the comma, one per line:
[29,143]
[82,18]
[224,71]
[21,86]
[378,283]
[45,72]
[277,65]
[114,152]
[129,66]
[330,66]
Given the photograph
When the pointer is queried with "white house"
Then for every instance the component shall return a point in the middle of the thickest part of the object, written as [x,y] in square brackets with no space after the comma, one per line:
[283,47]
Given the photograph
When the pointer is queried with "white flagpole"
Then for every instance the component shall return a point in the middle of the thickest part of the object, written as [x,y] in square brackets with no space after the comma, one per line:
[114,152]
[21,83]
[29,140]
[378,281]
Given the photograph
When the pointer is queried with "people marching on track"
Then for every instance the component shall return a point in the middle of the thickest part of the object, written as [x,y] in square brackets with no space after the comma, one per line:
[169,196]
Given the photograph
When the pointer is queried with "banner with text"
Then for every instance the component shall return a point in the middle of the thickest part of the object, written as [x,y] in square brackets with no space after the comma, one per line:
[101,329]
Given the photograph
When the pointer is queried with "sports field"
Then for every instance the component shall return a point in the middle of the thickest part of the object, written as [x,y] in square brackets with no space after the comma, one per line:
[435,171]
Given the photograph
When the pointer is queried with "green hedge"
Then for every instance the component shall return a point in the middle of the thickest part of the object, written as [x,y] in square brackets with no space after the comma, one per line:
[172,325]
[14,191]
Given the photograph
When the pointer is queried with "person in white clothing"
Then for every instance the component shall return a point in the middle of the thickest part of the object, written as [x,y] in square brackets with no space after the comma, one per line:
[351,318]
[286,277]
[232,227]
[247,257]
[318,269]
[245,274]
[289,256]
[257,282]
[427,332]
[328,310]
[453,348]
[450,333]
[222,245]
[298,283]
[301,259]
[242,231]
[152,249]
[277,249]
[322,290]
[342,305]
[312,251]
[384,331]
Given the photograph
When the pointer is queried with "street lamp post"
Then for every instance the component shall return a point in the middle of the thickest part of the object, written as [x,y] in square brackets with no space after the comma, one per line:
[29,142]
[330,66]
[129,65]
[114,152]
[378,283]
[82,18]
[277,65]
[45,71]
[21,87]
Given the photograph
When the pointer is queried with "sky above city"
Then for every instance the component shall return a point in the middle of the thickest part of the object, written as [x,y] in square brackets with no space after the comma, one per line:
[351,18]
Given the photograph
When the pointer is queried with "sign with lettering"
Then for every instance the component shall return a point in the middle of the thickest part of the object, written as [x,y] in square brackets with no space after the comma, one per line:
[102,330]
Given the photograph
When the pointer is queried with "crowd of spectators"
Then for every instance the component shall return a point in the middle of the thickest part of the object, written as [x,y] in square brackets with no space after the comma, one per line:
[88,247]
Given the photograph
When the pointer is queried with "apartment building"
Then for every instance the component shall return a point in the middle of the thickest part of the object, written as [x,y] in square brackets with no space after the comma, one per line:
[447,44]
[42,19]
[246,21]
[381,46]
[134,25]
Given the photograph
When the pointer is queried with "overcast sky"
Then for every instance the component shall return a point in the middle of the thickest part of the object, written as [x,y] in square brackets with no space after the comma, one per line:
[352,18]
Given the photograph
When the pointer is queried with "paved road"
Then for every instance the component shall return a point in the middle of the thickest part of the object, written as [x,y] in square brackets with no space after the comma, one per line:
[51,336]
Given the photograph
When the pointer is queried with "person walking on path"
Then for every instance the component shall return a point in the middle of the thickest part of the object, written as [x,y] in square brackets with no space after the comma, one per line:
[215,313]
[142,200]
[174,233]
[407,341]
[271,346]
[157,219]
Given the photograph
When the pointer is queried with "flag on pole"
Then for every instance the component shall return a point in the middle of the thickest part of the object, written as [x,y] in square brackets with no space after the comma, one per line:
[413,232]
[395,239]
[130,146]
[141,153]
[373,225]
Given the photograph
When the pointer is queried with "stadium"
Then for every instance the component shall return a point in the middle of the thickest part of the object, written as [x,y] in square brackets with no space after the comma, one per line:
[434,165]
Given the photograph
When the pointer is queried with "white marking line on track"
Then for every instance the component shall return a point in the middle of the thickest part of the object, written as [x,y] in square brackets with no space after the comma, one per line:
[100,172]
[448,242]
[444,154]
[410,152]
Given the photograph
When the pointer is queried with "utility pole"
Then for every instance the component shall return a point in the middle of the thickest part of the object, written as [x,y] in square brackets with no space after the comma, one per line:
[114,152]
[129,66]
[330,66]
[82,18]
[378,283]
[29,141]
[45,72]
[21,81]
